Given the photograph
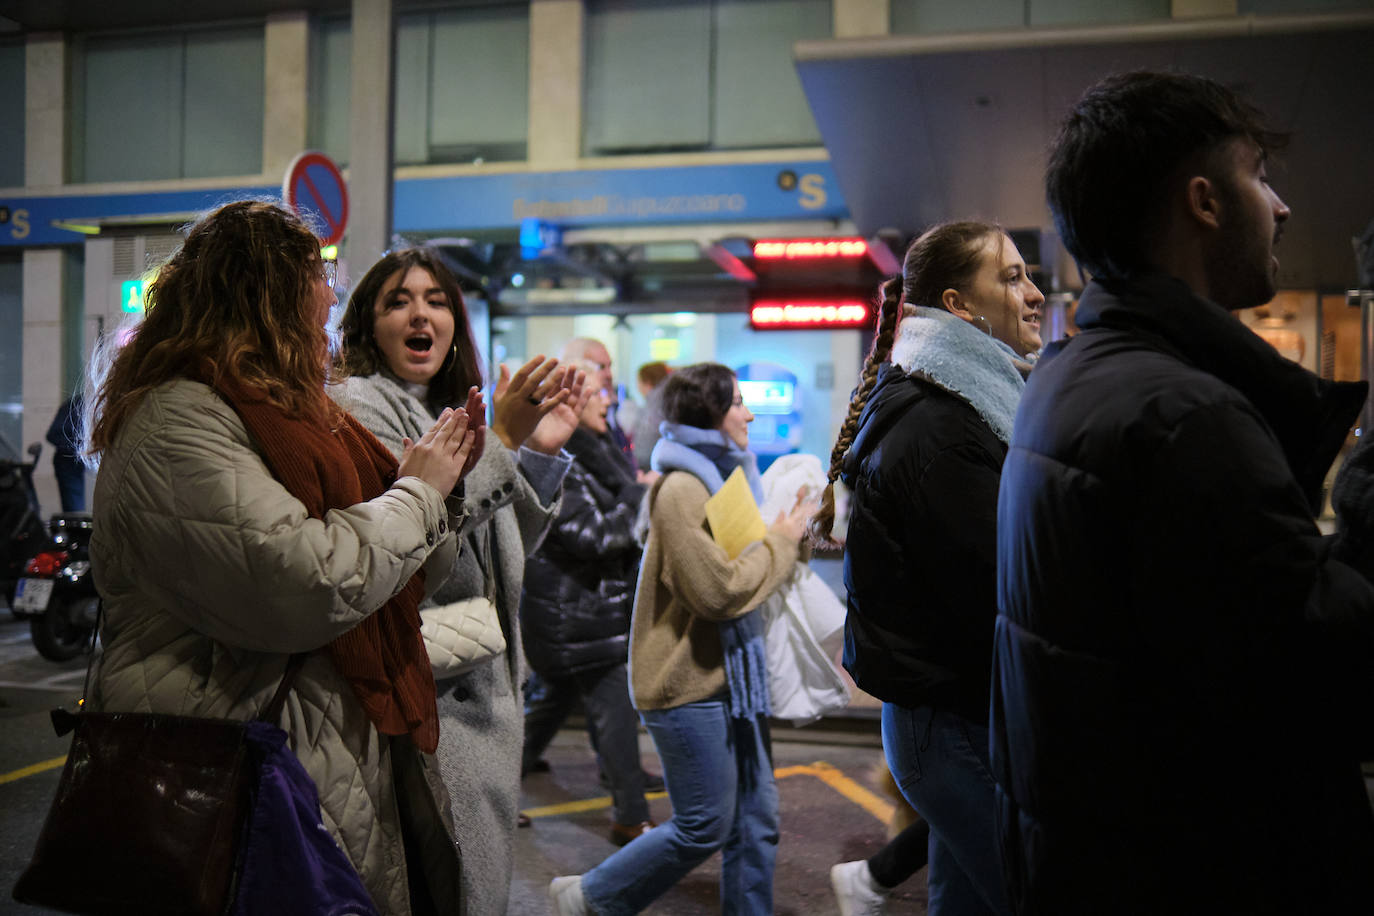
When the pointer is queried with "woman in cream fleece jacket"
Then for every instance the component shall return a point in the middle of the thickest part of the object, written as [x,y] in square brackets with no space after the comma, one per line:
[697,670]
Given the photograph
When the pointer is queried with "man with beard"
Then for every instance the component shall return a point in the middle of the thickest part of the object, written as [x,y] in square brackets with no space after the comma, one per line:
[1181,680]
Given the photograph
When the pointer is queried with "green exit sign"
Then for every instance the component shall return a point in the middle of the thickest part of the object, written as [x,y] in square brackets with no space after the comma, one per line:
[131,293]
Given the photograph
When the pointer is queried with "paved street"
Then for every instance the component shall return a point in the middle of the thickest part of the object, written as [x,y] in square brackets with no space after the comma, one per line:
[833,809]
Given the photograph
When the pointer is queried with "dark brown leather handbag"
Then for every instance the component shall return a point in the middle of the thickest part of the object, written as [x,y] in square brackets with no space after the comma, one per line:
[149,814]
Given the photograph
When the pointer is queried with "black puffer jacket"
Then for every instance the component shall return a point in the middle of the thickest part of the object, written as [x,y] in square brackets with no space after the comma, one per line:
[580,583]
[919,564]
[1181,668]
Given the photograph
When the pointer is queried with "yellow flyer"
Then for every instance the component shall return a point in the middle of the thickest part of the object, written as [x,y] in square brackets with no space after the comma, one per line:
[734,516]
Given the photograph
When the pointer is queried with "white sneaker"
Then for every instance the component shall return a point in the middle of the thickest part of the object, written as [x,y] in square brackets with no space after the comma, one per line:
[855,890]
[566,894]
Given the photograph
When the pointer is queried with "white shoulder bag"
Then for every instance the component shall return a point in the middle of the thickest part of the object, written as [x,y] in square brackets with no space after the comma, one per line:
[464,634]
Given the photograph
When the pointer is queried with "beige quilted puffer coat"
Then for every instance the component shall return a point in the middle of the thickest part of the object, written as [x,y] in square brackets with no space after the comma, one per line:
[212,574]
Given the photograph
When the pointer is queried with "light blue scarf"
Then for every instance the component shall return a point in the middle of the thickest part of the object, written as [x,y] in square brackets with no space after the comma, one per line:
[973,366]
[710,457]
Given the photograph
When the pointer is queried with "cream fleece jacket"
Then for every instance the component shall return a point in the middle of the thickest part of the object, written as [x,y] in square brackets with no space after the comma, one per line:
[686,586]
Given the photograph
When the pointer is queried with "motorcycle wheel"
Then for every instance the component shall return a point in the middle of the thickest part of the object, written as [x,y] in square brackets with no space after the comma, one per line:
[55,636]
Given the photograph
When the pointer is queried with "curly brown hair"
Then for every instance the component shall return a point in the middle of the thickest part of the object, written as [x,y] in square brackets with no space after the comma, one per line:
[360,355]
[946,256]
[236,301]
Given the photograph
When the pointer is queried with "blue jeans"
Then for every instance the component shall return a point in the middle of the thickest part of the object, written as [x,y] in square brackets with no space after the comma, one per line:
[940,761]
[720,780]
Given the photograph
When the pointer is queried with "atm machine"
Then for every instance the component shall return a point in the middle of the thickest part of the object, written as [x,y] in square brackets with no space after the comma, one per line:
[773,395]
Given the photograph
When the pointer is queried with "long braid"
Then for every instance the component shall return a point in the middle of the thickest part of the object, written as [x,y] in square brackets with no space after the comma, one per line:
[889,313]
[945,256]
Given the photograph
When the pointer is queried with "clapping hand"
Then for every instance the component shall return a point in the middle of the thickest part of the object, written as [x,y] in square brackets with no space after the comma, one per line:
[476,410]
[441,456]
[558,424]
[523,400]
[792,523]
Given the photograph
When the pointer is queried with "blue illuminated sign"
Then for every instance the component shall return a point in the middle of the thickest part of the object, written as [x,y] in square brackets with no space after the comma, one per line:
[609,197]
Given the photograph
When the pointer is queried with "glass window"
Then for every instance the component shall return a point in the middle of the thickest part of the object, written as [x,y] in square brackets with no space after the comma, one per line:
[462,85]
[648,77]
[753,70]
[1264,7]
[480,85]
[411,97]
[917,16]
[1084,12]
[224,85]
[329,90]
[121,141]
[170,105]
[697,74]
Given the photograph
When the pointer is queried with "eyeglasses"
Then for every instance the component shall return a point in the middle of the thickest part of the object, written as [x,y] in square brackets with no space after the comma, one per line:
[331,272]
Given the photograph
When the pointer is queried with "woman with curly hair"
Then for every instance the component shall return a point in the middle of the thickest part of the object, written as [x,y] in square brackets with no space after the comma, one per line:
[241,518]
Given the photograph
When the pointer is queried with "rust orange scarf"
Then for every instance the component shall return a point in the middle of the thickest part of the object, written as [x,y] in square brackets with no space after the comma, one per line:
[383,657]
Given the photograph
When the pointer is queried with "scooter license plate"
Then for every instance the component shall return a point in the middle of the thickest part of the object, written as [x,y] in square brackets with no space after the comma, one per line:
[33,595]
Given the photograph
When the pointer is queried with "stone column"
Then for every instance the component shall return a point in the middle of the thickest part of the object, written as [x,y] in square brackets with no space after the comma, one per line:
[45,160]
[371,132]
[862,18]
[285,102]
[556,50]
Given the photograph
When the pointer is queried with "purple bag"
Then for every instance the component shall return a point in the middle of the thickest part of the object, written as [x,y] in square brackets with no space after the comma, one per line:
[289,861]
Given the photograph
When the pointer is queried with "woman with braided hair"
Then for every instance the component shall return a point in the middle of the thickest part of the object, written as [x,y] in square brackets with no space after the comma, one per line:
[921,454]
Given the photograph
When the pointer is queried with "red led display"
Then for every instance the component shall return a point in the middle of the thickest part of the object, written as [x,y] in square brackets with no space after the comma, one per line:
[809,249]
[783,314]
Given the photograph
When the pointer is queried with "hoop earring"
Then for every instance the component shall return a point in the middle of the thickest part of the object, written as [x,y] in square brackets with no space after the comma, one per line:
[987,328]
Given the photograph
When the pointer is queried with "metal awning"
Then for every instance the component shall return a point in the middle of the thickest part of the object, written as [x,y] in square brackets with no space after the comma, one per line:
[927,128]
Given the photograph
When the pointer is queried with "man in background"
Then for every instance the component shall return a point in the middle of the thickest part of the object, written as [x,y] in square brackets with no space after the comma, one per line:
[64,434]
[650,378]
[593,353]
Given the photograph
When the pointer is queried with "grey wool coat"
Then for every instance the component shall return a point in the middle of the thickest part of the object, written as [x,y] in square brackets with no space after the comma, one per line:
[481,712]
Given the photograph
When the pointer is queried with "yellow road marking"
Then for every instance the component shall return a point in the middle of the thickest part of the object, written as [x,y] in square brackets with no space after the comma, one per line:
[577,807]
[826,773]
[32,769]
[835,779]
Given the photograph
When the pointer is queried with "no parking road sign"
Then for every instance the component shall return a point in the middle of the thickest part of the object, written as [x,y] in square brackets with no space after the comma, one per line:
[314,188]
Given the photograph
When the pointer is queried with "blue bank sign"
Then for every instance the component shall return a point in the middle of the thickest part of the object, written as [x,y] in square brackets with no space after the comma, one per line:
[783,190]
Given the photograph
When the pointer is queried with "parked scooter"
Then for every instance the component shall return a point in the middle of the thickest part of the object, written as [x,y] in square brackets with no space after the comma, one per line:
[45,571]
[21,527]
[57,594]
